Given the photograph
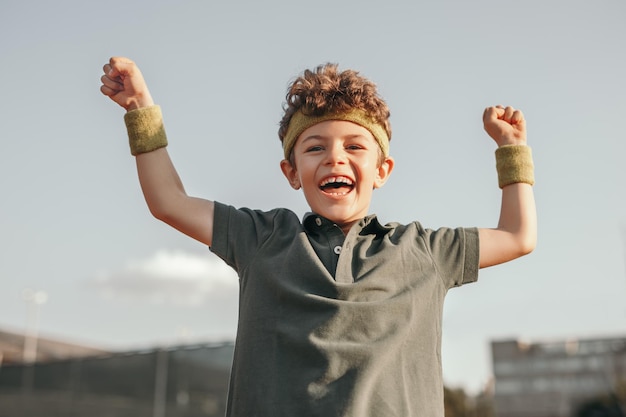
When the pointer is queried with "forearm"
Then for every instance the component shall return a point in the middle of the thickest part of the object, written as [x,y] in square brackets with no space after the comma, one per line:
[517,212]
[518,218]
[159,180]
[167,200]
[160,183]
[516,233]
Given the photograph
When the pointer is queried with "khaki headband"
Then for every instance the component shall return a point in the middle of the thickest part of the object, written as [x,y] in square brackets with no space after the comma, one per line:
[301,122]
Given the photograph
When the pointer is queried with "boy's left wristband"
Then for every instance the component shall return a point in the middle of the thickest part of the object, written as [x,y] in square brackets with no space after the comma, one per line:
[145,129]
[514,164]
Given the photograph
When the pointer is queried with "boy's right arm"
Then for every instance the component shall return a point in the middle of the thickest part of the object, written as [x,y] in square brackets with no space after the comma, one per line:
[163,190]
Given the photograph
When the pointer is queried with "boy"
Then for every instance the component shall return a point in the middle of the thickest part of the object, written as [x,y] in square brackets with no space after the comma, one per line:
[338,314]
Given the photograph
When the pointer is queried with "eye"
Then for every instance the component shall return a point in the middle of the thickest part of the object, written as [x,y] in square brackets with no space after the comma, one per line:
[354,147]
[315,148]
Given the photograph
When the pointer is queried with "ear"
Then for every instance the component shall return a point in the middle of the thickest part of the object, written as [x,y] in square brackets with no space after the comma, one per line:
[383,172]
[291,173]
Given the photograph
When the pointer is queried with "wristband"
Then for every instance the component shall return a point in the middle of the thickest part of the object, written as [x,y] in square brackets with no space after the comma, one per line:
[514,164]
[145,130]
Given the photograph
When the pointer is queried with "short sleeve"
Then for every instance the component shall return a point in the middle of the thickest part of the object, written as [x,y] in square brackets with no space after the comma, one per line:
[455,253]
[239,233]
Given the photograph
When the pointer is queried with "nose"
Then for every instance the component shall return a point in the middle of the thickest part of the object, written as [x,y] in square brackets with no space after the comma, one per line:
[335,155]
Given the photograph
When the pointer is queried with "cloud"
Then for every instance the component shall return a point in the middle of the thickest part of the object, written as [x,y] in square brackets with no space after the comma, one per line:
[174,277]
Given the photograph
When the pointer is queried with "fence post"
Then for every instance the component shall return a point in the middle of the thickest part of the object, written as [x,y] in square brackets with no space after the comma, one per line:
[160,384]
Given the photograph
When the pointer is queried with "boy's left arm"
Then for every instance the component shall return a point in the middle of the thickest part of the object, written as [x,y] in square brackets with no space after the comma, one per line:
[516,234]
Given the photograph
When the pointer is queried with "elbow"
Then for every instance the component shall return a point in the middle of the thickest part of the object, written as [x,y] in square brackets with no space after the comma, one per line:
[164,205]
[162,214]
[526,245]
[159,210]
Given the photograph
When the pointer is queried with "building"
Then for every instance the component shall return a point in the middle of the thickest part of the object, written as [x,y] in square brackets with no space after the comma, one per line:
[554,379]
[12,346]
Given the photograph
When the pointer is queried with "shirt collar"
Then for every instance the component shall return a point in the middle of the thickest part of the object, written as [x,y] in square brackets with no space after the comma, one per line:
[368,225]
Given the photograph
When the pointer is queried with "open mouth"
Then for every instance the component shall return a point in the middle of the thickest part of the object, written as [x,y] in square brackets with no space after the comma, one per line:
[336,185]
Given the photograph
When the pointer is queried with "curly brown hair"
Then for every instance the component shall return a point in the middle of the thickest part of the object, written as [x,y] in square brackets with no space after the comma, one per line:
[328,90]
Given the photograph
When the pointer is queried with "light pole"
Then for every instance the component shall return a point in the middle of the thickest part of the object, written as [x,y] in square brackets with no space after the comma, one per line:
[34,300]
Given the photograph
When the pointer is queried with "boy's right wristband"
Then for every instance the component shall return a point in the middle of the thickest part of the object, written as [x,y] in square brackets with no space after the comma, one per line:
[514,164]
[145,129]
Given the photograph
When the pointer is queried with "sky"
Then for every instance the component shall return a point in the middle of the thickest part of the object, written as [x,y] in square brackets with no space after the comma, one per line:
[73,224]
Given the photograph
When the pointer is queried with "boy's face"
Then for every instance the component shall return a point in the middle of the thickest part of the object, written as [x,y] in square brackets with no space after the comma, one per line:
[337,164]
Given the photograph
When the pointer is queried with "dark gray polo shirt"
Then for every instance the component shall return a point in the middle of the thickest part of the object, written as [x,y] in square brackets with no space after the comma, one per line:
[339,326]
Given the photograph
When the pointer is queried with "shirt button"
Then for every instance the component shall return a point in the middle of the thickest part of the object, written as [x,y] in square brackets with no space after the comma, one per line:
[337,250]
[318,221]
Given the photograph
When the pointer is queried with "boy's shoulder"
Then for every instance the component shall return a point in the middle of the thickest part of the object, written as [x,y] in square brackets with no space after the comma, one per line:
[280,215]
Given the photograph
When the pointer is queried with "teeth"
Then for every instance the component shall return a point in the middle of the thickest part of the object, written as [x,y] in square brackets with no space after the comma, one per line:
[330,180]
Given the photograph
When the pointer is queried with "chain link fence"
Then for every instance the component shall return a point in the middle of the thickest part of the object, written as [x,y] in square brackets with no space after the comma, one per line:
[187,381]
